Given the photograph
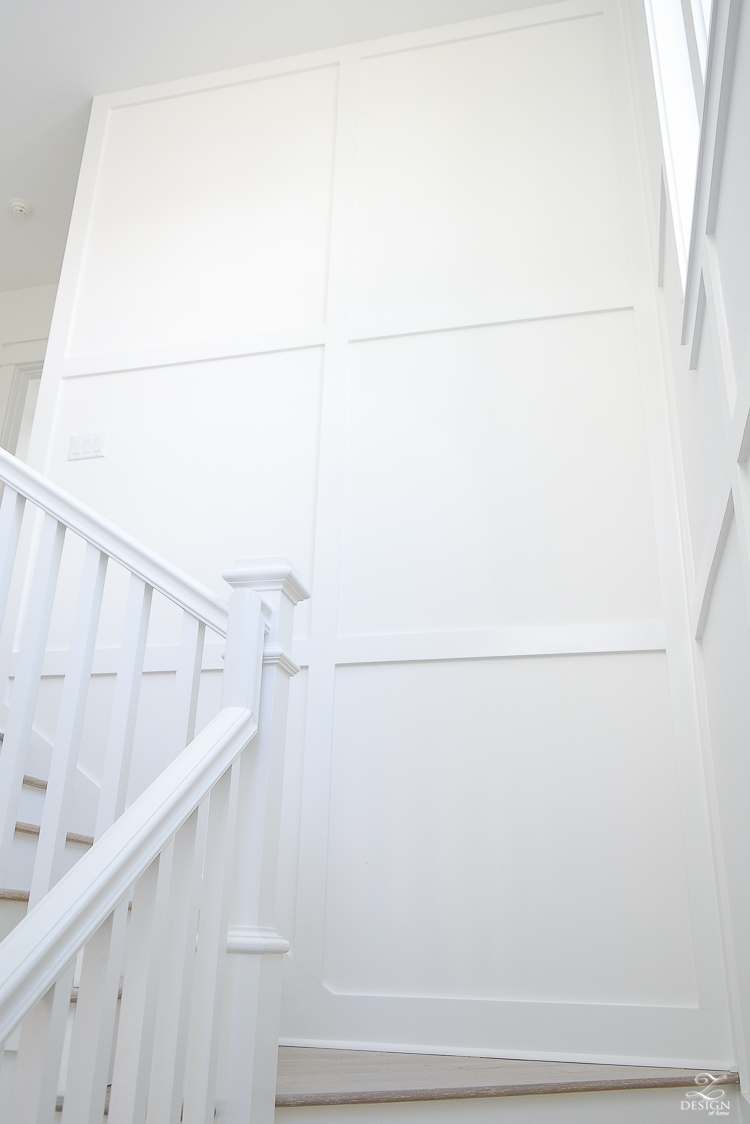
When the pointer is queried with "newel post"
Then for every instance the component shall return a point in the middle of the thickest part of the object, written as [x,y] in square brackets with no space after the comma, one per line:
[252,1000]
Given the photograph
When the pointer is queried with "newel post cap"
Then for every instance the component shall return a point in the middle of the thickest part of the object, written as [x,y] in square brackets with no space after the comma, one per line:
[267,574]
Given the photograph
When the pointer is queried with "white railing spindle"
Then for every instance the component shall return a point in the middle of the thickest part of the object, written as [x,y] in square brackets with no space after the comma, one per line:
[39,1053]
[187,683]
[170,1036]
[124,705]
[208,979]
[56,811]
[96,1010]
[140,989]
[26,685]
[11,517]
[197,850]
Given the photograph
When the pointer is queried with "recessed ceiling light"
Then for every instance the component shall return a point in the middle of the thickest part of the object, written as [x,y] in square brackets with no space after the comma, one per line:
[20,207]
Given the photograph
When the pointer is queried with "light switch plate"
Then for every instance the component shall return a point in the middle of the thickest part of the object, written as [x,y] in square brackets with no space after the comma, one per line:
[86,445]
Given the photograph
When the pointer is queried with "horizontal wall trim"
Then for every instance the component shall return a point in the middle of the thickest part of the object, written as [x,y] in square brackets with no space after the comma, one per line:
[512,1054]
[200,351]
[688,1036]
[412,647]
[364,332]
[500,643]
[298,339]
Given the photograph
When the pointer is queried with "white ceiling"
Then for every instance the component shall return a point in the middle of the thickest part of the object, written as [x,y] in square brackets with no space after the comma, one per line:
[54,56]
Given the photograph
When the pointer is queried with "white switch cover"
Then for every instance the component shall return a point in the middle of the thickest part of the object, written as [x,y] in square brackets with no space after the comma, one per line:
[87,445]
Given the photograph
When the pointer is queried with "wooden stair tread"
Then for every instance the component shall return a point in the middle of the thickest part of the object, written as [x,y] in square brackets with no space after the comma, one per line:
[314,1076]
[70,837]
[34,782]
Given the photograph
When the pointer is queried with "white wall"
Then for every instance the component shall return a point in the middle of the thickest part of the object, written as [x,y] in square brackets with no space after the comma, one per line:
[25,316]
[707,337]
[390,310]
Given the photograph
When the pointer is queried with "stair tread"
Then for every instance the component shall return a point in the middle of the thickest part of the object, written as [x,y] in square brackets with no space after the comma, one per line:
[316,1076]
[34,782]
[71,836]
[8,895]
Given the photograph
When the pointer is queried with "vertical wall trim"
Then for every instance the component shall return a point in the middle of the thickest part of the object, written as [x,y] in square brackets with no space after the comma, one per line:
[310,929]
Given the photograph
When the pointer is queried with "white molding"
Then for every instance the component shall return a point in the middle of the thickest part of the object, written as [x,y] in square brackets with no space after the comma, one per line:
[22,374]
[668,161]
[722,513]
[517,642]
[502,643]
[198,351]
[695,1061]
[740,424]
[20,352]
[255,941]
[712,280]
[718,83]
[39,948]
[315,796]
[277,656]
[366,332]
[295,339]
[116,543]
[700,319]
[272,573]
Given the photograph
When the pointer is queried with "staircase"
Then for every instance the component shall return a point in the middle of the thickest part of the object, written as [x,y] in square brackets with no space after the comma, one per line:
[139,970]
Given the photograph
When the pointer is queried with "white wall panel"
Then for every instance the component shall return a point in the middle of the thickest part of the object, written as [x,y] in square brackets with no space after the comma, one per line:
[486,846]
[230,449]
[487,179]
[420,358]
[211,216]
[509,460]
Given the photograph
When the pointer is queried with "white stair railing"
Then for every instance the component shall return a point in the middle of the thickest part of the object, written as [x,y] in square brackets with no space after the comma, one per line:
[147,912]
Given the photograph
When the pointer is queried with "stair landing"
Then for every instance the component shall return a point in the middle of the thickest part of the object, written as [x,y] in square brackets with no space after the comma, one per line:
[312,1076]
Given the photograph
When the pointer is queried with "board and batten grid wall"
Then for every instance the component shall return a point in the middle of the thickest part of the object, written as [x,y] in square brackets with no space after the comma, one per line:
[360,424]
[707,336]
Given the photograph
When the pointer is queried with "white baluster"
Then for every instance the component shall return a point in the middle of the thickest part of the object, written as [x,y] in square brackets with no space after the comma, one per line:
[43,1031]
[94,1026]
[26,685]
[178,964]
[249,1041]
[140,990]
[124,706]
[11,517]
[203,1034]
[55,815]
[187,682]
[96,1009]
[39,1055]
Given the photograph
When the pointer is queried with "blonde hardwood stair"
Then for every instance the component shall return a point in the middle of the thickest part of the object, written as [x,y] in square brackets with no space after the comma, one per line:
[310,1076]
